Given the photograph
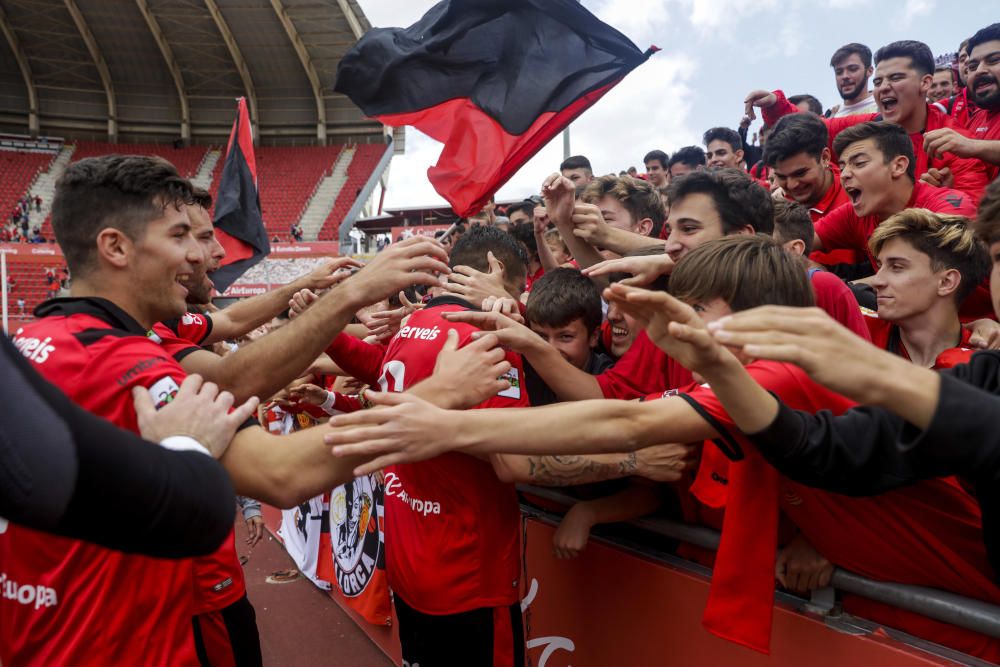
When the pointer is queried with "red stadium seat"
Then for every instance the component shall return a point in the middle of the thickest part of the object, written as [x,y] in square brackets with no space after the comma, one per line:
[366,159]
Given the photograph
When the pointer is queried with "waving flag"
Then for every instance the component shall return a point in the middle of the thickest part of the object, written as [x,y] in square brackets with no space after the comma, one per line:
[494,80]
[239,224]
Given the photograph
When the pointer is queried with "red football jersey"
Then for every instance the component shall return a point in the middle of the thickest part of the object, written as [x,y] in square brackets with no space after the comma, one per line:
[452,528]
[984,125]
[182,336]
[885,335]
[833,296]
[75,603]
[928,533]
[834,197]
[644,369]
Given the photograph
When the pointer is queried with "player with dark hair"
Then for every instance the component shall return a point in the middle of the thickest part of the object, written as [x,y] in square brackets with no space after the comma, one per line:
[686,160]
[807,103]
[577,169]
[724,148]
[656,162]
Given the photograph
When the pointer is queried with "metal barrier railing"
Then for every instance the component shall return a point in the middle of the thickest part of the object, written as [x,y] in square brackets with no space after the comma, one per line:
[939,605]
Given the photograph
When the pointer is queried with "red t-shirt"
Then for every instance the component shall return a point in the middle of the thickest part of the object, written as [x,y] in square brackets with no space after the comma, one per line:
[928,533]
[643,370]
[90,605]
[962,109]
[984,125]
[182,336]
[969,174]
[530,280]
[833,296]
[834,197]
[452,529]
[885,335]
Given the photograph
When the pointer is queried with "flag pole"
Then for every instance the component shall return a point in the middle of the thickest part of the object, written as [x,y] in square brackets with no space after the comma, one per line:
[3,277]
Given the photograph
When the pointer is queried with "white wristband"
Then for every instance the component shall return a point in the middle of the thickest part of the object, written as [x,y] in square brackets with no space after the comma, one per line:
[327,406]
[182,443]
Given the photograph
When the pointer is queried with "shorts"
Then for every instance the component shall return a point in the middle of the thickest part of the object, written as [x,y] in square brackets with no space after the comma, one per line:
[228,637]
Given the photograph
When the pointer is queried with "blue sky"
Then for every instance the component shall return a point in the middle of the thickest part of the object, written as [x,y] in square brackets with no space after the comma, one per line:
[713,53]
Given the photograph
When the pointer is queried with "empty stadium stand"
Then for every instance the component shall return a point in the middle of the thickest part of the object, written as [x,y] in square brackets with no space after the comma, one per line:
[366,159]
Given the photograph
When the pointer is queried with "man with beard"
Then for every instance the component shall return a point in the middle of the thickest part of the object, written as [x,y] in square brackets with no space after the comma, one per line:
[984,119]
[852,67]
[903,74]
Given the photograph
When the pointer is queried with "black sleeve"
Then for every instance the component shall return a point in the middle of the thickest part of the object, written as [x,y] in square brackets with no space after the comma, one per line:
[853,454]
[78,475]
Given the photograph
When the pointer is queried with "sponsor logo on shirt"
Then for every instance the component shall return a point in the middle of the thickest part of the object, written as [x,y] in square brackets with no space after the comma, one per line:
[954,200]
[131,373]
[394,487]
[187,319]
[153,336]
[514,391]
[163,391]
[34,349]
[419,333]
[27,594]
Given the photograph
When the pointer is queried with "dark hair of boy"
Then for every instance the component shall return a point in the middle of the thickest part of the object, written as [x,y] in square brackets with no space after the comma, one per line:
[525,233]
[471,250]
[793,134]
[656,156]
[847,50]
[731,137]
[921,58]
[890,139]
[743,270]
[575,162]
[563,295]
[692,156]
[814,104]
[125,192]
[793,223]
[738,199]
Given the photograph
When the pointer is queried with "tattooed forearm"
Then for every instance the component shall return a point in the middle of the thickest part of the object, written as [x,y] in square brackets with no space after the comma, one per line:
[576,469]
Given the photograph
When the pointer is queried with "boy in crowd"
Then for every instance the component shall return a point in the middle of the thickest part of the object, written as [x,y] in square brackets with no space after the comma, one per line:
[656,169]
[723,148]
[943,85]
[577,169]
[926,535]
[903,74]
[928,265]
[686,160]
[852,67]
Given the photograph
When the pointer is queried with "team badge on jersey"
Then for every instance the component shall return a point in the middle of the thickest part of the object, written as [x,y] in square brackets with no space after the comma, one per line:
[356,535]
[163,391]
[514,391]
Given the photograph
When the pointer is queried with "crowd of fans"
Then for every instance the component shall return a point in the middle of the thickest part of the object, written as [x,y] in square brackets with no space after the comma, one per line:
[879,215]
[19,228]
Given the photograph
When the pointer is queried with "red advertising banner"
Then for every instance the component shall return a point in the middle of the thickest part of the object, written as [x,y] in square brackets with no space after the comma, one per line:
[402,233]
[278,250]
[31,252]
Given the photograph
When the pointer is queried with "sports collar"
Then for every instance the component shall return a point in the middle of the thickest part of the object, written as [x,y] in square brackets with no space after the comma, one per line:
[102,309]
[449,300]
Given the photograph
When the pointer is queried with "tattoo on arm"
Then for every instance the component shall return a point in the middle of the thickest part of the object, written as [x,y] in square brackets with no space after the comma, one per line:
[577,469]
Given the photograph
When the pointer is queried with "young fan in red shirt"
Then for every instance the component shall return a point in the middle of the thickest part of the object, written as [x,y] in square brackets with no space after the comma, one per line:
[928,264]
[903,74]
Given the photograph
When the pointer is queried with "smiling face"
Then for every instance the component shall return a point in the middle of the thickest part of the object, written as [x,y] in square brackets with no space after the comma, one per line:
[942,86]
[623,330]
[869,180]
[852,78]
[165,257]
[906,285]
[804,178]
[198,284]
[984,75]
[721,154]
[572,340]
[693,220]
[900,92]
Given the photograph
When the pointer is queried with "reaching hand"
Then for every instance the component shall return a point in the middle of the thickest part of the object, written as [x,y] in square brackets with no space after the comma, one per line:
[255,530]
[560,196]
[300,301]
[673,325]
[474,372]
[540,220]
[386,323]
[504,306]
[330,272]
[644,269]
[939,178]
[985,334]
[511,334]
[589,225]
[758,98]
[415,261]
[474,285]
[666,463]
[198,411]
[307,393]
[402,428]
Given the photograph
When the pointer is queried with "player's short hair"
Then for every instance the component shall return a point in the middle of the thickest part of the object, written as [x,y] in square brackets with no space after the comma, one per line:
[527,207]
[793,134]
[988,34]
[891,140]
[656,156]
[846,50]
[726,134]
[814,104]
[948,240]
[124,192]
[743,270]
[525,233]
[563,295]
[471,249]
[576,162]
[921,58]
[637,196]
[987,223]
[201,197]
[793,223]
[738,200]
[692,156]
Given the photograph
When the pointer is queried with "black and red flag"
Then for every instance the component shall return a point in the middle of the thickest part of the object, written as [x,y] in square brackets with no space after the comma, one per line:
[494,80]
[239,225]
